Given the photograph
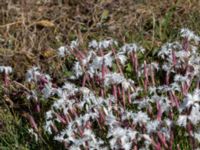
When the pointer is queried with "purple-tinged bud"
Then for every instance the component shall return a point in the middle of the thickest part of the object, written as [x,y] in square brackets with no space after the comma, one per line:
[54,128]
[117,61]
[84,80]
[114,91]
[185,44]
[134,61]
[146,81]
[129,96]
[174,58]
[38,107]
[123,98]
[159,113]
[167,78]
[171,142]
[62,120]
[162,139]
[152,75]
[32,122]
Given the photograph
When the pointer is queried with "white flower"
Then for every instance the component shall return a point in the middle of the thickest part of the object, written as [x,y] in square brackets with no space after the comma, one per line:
[5,69]
[111,119]
[106,43]
[98,61]
[107,59]
[140,117]
[182,120]
[182,54]
[121,57]
[33,133]
[166,50]
[88,58]
[168,122]
[32,74]
[74,44]
[165,103]
[155,65]
[113,78]
[69,87]
[126,84]
[47,90]
[190,35]
[47,126]
[191,99]
[197,135]
[93,44]
[95,66]
[180,78]
[127,146]
[59,138]
[152,90]
[102,44]
[78,70]
[128,48]
[49,114]
[194,116]
[62,51]
[174,87]
[126,137]
[167,67]
[152,126]
[85,90]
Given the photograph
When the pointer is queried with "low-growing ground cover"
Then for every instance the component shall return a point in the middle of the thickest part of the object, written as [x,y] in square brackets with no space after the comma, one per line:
[107,88]
[113,98]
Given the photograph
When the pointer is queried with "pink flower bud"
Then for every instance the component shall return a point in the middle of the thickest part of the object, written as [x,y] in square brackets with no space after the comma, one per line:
[167,78]
[38,107]
[84,80]
[114,91]
[117,61]
[146,81]
[123,98]
[6,79]
[60,118]
[162,139]
[134,61]
[103,71]
[55,129]
[159,113]
[185,44]
[152,76]
[174,58]
[32,122]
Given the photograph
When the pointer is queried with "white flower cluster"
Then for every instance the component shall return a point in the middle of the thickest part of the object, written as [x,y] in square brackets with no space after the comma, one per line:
[65,50]
[104,44]
[5,69]
[190,35]
[43,81]
[128,48]
[113,110]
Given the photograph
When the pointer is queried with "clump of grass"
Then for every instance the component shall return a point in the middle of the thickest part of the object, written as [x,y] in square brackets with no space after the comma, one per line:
[13,134]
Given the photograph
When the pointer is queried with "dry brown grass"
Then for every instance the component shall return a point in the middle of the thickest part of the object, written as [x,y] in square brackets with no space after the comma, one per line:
[31,31]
